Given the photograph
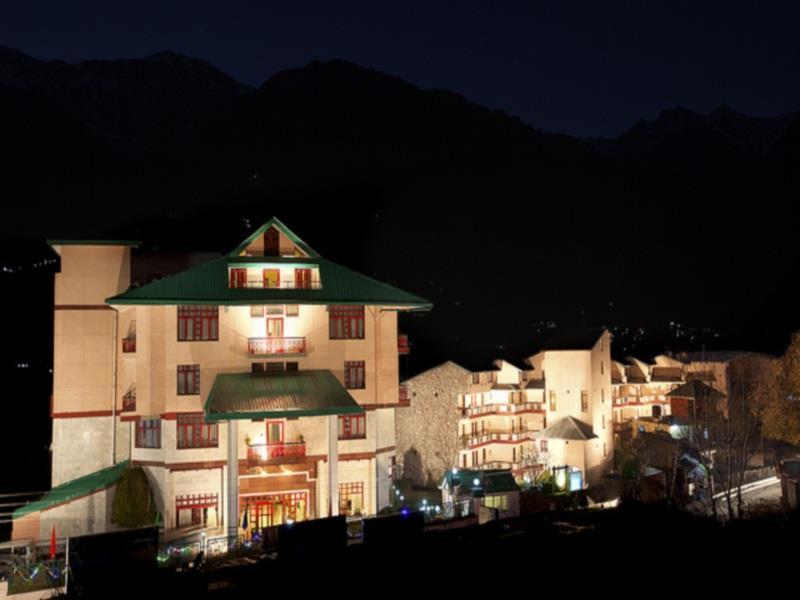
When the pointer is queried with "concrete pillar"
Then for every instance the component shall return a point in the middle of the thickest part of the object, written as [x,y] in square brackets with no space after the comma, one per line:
[333,466]
[232,516]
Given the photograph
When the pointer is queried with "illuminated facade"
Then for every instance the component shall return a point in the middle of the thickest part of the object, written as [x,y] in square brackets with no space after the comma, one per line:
[262,382]
[513,418]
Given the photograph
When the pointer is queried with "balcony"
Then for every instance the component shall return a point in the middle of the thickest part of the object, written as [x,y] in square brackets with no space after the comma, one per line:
[403,345]
[502,409]
[403,394]
[488,436]
[259,455]
[129,400]
[288,284]
[271,346]
[129,344]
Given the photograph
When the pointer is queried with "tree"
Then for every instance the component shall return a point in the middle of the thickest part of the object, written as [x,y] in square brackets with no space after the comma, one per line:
[133,504]
[782,397]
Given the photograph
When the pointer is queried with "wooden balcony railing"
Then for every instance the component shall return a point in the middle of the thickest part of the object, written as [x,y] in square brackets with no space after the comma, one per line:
[129,344]
[499,409]
[268,346]
[487,436]
[266,454]
[129,401]
[403,346]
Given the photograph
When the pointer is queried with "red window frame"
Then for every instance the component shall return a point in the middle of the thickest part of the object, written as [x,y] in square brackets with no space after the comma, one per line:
[188,380]
[194,432]
[352,427]
[238,277]
[198,323]
[347,491]
[543,445]
[148,433]
[302,279]
[346,322]
[355,375]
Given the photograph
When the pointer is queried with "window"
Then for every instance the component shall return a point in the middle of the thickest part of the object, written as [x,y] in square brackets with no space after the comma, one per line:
[275,309]
[351,498]
[352,427]
[238,278]
[194,433]
[499,502]
[552,400]
[543,445]
[584,401]
[354,375]
[148,433]
[274,367]
[602,368]
[476,378]
[272,278]
[292,366]
[292,310]
[602,395]
[346,322]
[188,380]
[603,421]
[198,323]
[257,310]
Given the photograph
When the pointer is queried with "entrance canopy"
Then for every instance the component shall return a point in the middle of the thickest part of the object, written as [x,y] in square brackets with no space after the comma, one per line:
[278,395]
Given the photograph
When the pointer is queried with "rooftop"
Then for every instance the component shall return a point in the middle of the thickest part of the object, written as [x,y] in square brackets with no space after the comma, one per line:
[568,428]
[209,283]
[283,394]
[74,489]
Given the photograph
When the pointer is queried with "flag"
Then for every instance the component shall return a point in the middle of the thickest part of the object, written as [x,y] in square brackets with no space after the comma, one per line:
[53,543]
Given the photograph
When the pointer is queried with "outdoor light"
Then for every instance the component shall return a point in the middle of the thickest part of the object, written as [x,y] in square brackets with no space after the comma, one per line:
[476,482]
[455,471]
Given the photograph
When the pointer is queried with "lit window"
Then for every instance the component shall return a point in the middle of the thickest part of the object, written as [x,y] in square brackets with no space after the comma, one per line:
[584,401]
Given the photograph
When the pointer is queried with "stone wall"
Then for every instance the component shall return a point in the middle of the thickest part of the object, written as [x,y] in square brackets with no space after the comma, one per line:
[427,430]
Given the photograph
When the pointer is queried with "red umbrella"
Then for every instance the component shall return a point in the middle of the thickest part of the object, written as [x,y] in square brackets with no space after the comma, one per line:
[53,543]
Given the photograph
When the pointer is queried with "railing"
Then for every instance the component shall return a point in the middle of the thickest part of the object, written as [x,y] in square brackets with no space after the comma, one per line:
[486,436]
[276,345]
[289,284]
[403,393]
[494,409]
[403,347]
[129,401]
[129,344]
[263,454]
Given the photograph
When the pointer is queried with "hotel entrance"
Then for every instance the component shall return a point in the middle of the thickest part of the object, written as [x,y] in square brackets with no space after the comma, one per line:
[274,509]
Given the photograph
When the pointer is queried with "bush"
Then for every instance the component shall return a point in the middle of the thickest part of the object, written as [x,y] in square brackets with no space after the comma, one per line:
[133,504]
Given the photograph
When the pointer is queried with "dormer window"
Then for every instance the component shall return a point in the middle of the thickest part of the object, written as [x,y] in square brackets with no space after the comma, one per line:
[279,275]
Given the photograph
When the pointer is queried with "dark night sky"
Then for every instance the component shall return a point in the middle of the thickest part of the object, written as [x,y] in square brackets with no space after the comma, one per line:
[582,68]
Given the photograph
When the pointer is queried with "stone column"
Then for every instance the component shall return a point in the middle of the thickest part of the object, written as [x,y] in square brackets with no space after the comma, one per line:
[232,516]
[333,466]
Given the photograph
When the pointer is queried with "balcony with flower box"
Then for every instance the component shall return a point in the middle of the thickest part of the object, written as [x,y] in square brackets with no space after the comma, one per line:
[260,455]
[275,346]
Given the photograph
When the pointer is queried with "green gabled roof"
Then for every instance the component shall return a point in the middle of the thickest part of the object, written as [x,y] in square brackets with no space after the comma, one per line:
[275,222]
[208,283]
[74,489]
[279,395]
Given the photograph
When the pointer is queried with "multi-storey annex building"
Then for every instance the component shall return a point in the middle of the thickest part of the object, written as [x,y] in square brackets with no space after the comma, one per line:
[556,413]
[262,382]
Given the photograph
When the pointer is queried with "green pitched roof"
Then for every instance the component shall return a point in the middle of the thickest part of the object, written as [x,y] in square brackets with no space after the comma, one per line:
[279,395]
[74,489]
[209,283]
[278,224]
